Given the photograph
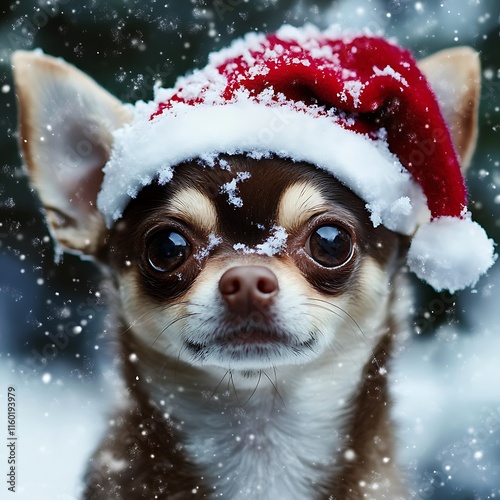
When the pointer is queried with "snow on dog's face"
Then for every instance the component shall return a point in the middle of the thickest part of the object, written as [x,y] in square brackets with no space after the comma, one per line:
[251,264]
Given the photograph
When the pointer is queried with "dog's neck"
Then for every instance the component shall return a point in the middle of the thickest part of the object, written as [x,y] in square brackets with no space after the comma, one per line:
[285,433]
[275,434]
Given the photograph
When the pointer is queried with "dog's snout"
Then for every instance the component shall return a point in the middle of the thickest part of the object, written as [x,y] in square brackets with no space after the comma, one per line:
[248,288]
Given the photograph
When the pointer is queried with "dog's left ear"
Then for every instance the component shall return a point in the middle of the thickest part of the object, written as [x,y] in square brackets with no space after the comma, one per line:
[455,76]
[66,122]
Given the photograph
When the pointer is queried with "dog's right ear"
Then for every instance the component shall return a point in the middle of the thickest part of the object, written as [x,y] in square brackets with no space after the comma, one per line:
[66,122]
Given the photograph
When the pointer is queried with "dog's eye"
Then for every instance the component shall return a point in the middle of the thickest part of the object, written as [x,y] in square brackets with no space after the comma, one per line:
[330,246]
[167,250]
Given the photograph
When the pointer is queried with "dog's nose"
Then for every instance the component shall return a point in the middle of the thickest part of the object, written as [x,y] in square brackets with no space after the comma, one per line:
[247,289]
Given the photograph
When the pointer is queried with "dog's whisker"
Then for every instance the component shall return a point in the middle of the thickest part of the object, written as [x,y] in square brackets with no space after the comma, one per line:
[178,360]
[357,330]
[255,389]
[231,380]
[157,309]
[214,392]
[345,316]
[275,385]
[163,367]
[137,321]
[173,322]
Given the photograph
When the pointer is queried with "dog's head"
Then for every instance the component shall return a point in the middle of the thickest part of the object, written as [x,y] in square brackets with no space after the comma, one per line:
[270,271]
[245,263]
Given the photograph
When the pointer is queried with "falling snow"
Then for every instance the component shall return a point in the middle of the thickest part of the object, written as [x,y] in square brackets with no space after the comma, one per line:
[55,335]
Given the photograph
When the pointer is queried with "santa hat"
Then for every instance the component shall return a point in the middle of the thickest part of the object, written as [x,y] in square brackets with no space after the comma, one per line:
[355,106]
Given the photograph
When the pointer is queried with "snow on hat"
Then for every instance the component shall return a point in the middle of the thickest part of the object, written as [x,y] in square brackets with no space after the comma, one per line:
[355,106]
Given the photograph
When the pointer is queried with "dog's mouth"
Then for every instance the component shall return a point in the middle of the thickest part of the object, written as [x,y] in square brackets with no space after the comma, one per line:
[246,348]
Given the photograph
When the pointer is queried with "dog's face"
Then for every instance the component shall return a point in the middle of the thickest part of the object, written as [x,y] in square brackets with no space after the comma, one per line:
[251,264]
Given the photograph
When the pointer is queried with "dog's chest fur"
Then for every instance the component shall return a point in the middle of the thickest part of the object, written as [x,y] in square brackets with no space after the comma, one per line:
[272,439]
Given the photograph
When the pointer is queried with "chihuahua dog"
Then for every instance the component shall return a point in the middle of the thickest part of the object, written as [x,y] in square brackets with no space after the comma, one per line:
[257,304]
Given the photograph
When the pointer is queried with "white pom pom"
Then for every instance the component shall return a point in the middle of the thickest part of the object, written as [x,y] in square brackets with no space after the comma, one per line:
[451,253]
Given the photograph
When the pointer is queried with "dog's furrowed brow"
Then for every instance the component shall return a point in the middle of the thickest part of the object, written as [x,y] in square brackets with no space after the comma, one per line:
[298,204]
[194,207]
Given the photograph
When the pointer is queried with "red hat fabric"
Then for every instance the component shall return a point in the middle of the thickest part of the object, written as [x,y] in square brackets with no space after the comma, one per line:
[369,80]
[357,106]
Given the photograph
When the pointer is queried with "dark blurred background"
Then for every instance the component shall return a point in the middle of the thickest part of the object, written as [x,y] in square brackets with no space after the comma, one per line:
[57,311]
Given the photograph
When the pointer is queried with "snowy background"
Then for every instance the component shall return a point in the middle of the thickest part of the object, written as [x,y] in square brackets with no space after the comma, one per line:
[447,376]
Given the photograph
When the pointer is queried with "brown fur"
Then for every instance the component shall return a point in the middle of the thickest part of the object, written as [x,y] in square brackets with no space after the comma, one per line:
[369,431]
[147,441]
